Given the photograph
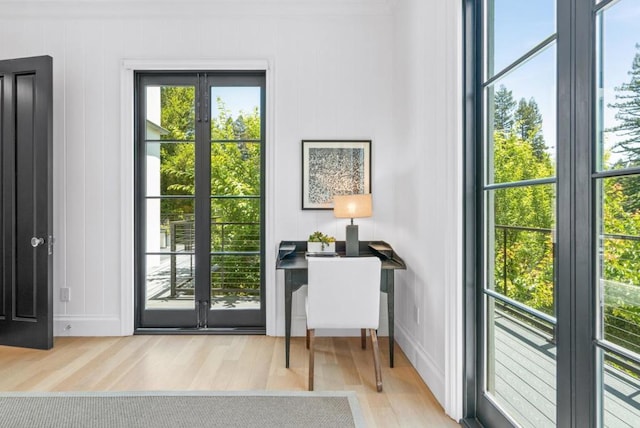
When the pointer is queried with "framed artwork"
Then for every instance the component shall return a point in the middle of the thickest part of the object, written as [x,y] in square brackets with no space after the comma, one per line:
[334,167]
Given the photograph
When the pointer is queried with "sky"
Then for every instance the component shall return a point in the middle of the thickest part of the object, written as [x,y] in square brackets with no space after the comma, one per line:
[621,32]
[520,25]
[236,99]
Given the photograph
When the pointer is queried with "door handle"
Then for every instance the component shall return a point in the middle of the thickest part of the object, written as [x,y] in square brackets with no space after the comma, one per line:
[36,241]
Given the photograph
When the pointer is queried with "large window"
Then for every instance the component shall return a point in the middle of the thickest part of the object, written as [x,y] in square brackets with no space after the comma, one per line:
[616,184]
[200,206]
[518,313]
[554,225]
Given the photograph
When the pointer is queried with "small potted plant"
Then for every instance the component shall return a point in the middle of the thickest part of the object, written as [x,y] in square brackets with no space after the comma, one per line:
[318,242]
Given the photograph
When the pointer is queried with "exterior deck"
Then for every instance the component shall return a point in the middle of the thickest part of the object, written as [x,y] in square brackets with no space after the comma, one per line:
[525,380]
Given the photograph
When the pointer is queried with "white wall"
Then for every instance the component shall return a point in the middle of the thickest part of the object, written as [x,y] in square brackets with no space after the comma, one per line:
[427,119]
[384,70]
[332,76]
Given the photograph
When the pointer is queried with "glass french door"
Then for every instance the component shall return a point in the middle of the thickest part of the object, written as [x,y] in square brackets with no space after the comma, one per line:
[556,216]
[616,185]
[518,207]
[199,200]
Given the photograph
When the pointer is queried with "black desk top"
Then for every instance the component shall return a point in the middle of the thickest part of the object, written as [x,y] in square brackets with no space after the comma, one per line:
[290,258]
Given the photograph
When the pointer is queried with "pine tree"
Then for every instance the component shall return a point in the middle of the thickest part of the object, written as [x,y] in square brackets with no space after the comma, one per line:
[504,106]
[628,115]
[628,106]
[528,126]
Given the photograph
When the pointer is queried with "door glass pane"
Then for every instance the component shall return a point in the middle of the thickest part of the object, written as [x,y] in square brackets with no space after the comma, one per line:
[235,113]
[170,225]
[170,113]
[618,85]
[235,281]
[520,340]
[170,281]
[617,147]
[621,391]
[170,169]
[521,364]
[235,224]
[520,251]
[619,265]
[513,28]
[235,197]
[235,169]
[520,145]
[619,276]
[235,238]
[521,121]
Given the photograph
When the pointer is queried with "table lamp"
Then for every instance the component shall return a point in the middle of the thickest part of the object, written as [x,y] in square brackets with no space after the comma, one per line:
[352,206]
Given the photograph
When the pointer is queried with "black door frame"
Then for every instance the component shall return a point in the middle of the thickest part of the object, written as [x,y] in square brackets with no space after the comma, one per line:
[235,321]
[577,383]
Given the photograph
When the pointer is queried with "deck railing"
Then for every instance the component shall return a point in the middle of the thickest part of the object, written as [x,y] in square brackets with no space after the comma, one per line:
[620,301]
[235,254]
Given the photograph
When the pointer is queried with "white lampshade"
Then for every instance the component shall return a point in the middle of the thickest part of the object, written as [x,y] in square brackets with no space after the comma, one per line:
[352,206]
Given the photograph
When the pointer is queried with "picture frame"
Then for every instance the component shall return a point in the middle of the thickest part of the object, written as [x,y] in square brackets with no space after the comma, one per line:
[334,167]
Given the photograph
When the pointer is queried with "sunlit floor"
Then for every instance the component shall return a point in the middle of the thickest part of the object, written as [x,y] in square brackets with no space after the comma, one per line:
[225,363]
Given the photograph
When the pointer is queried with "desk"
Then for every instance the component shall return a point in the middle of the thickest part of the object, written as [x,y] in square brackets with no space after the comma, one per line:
[294,265]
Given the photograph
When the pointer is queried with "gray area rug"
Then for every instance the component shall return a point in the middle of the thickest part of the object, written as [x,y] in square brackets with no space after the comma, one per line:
[180,409]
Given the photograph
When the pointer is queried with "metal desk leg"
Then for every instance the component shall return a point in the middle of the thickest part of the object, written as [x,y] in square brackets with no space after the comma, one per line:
[288,291]
[390,301]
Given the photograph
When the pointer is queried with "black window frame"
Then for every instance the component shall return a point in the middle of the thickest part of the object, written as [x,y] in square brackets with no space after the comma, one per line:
[578,384]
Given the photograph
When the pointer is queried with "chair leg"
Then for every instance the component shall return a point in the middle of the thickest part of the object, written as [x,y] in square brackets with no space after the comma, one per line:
[363,337]
[307,338]
[376,359]
[310,336]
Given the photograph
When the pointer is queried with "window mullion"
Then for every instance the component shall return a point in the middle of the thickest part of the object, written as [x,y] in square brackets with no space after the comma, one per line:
[202,191]
[576,356]
[586,392]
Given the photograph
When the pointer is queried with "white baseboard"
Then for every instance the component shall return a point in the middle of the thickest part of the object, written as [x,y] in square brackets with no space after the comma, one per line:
[423,363]
[86,325]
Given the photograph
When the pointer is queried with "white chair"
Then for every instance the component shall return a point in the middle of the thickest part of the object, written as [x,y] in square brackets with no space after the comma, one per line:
[344,292]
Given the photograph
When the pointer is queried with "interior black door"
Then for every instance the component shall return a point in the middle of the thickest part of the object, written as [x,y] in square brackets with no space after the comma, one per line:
[26,304]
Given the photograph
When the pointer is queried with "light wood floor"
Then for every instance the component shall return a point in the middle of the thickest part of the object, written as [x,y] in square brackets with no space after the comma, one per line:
[225,363]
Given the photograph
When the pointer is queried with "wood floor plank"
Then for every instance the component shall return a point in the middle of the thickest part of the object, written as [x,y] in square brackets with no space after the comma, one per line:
[200,362]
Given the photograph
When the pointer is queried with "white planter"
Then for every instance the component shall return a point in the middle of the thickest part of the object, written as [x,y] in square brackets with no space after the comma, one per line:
[317,247]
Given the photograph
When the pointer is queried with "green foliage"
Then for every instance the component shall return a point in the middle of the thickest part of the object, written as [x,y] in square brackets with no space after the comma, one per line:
[318,236]
[178,112]
[622,314]
[524,219]
[621,259]
[235,182]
